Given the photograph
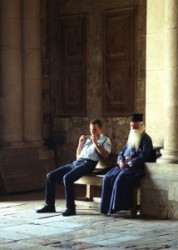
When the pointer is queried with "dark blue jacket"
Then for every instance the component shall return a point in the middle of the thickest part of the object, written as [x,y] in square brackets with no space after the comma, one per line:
[138,156]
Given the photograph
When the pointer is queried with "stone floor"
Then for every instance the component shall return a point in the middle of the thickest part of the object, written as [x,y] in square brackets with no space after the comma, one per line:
[22,228]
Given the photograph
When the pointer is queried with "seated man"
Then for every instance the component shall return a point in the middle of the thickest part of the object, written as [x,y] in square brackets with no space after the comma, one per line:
[118,183]
[90,149]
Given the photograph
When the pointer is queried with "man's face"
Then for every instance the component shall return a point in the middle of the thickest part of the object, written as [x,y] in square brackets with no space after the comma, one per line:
[136,130]
[136,125]
[95,129]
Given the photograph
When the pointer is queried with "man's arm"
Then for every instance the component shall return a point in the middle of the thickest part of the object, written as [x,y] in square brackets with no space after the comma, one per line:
[80,144]
[100,149]
[121,159]
[104,149]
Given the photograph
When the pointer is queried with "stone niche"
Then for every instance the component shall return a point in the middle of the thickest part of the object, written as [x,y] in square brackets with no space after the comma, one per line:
[159,191]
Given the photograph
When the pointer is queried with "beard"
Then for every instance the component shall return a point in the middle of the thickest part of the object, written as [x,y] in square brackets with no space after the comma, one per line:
[134,138]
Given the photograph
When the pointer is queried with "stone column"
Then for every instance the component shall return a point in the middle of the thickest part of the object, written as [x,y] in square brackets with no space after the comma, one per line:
[11,74]
[32,72]
[170,151]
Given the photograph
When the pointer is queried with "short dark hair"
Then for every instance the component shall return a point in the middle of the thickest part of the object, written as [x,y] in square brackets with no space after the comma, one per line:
[97,122]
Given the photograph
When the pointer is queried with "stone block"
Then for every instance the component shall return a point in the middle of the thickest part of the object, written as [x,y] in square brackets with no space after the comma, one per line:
[173,210]
[173,191]
[155,18]
[24,169]
[159,191]
[154,203]
[156,62]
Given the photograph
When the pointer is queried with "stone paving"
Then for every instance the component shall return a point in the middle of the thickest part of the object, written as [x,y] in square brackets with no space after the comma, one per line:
[22,228]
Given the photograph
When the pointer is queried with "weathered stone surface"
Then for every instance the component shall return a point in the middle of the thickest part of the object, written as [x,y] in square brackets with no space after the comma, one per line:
[22,228]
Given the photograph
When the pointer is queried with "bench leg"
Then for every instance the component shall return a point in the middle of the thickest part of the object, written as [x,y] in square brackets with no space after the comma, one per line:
[135,207]
[89,192]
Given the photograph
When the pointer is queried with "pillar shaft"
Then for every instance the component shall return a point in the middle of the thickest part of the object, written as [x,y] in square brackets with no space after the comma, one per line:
[32,71]
[11,80]
[170,151]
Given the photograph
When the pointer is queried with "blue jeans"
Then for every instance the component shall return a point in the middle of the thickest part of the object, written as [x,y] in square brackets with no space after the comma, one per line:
[69,174]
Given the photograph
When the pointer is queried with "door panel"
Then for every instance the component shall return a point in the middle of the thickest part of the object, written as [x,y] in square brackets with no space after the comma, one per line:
[72,65]
[119,62]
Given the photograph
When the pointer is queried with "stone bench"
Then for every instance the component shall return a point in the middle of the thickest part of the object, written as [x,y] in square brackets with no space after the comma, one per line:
[96,180]
[90,181]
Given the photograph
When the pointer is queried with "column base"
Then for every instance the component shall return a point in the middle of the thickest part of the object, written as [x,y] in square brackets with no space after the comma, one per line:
[34,143]
[168,156]
[24,169]
[16,144]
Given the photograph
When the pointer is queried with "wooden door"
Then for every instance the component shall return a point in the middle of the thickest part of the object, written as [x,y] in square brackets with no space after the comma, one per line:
[119,62]
[72,65]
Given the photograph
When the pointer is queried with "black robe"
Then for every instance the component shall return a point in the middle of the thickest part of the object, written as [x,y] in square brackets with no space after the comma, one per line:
[117,189]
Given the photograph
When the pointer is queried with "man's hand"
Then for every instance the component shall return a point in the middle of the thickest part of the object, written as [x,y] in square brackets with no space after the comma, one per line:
[94,139]
[82,140]
[122,164]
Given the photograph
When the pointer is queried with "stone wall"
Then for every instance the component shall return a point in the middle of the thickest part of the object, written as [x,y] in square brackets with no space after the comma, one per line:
[66,131]
[155,74]
[159,187]
[24,160]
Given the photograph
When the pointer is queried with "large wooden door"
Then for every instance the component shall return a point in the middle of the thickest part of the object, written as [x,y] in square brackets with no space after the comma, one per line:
[119,62]
[72,65]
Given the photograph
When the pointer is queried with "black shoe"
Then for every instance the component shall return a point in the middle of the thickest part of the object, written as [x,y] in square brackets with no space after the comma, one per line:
[69,212]
[47,209]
